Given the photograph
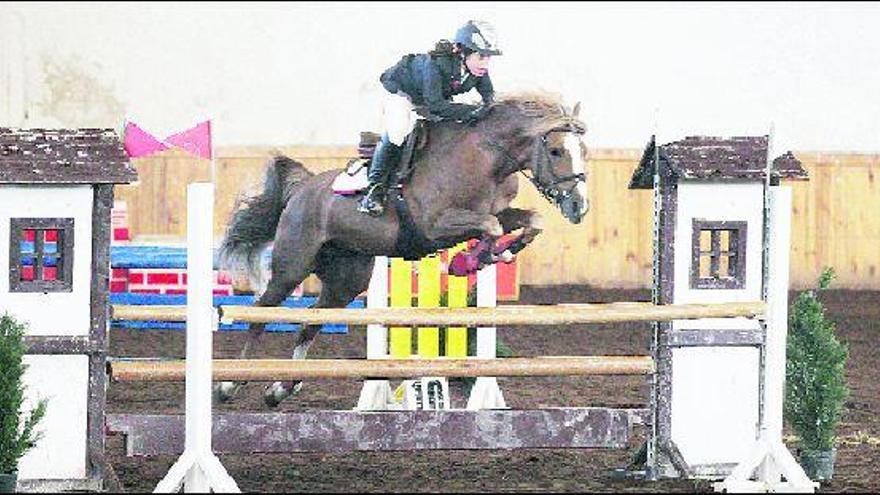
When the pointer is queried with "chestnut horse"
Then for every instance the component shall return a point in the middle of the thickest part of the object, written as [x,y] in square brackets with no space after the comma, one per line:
[461,186]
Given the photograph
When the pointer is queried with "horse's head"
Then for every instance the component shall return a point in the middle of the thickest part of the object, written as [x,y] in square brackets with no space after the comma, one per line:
[556,155]
[558,167]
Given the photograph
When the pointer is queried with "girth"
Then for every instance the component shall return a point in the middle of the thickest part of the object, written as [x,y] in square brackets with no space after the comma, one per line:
[411,243]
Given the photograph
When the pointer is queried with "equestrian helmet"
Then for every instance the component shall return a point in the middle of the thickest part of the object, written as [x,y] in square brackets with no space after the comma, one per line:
[478,36]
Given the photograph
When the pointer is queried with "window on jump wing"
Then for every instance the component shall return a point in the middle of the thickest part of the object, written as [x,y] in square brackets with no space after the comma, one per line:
[719,255]
[41,255]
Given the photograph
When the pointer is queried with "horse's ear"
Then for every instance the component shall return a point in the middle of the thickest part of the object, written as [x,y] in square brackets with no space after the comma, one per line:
[576,110]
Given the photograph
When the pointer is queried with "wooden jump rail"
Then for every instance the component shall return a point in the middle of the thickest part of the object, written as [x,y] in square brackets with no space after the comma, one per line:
[290,369]
[563,314]
[147,313]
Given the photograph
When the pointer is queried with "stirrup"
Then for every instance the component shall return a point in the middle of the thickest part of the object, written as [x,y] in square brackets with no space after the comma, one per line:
[374,209]
[370,205]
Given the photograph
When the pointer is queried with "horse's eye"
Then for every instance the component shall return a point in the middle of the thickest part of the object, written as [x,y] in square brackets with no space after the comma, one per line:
[556,152]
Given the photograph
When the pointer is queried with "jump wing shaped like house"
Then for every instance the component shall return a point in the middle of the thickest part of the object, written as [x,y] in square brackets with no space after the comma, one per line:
[56,194]
[709,223]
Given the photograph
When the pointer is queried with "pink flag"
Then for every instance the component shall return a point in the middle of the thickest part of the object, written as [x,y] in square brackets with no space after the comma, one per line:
[196,140]
[139,142]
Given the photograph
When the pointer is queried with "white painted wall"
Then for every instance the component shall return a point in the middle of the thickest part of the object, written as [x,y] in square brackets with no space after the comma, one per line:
[715,390]
[714,403]
[53,313]
[61,453]
[713,201]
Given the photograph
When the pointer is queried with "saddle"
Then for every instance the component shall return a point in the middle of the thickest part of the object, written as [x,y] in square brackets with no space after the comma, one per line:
[411,242]
[353,179]
[416,141]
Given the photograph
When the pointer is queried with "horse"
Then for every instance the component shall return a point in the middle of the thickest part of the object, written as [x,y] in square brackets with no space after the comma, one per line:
[461,185]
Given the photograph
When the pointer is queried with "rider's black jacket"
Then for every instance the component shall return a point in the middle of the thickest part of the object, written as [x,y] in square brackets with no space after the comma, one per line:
[431,80]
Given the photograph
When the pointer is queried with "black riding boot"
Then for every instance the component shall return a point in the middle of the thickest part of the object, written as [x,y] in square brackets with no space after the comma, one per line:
[384,160]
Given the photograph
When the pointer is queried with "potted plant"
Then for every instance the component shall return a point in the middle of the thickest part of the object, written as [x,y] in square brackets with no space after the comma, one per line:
[815,381]
[17,436]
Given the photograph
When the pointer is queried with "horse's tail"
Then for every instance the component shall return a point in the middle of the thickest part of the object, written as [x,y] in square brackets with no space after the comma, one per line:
[255,219]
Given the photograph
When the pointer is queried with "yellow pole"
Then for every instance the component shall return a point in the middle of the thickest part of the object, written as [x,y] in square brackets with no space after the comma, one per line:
[401,297]
[429,297]
[457,287]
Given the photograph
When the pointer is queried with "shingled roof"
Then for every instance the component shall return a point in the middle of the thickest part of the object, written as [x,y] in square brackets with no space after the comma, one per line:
[63,156]
[706,157]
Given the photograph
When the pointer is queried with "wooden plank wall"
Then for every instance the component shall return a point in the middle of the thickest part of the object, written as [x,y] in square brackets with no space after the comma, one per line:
[835,219]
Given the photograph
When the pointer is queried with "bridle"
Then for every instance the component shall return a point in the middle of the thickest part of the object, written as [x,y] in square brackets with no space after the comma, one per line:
[541,159]
[542,164]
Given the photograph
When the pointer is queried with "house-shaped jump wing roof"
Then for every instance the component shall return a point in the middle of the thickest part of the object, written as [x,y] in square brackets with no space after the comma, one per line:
[63,156]
[706,157]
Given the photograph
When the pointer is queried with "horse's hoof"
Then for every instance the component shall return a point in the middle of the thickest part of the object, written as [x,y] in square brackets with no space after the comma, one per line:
[536,221]
[225,391]
[494,228]
[506,256]
[278,391]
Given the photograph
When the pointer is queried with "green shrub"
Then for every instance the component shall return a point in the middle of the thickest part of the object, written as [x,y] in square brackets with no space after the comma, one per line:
[815,375]
[16,436]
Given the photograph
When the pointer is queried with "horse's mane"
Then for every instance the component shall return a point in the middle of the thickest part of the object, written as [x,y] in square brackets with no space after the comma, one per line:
[534,112]
[517,119]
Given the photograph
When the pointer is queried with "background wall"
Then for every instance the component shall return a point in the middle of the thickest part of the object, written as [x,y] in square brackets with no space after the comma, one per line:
[307,72]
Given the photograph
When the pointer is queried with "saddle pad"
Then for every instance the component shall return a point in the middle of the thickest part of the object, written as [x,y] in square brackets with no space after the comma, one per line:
[353,179]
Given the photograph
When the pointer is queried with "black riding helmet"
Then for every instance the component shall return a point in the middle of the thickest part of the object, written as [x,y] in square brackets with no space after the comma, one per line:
[478,36]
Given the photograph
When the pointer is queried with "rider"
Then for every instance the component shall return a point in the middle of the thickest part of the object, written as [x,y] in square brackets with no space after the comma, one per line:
[427,82]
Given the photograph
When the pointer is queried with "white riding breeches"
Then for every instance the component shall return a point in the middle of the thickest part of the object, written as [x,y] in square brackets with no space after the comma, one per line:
[399,117]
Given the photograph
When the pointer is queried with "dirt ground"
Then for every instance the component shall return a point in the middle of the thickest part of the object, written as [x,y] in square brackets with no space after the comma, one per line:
[856,314]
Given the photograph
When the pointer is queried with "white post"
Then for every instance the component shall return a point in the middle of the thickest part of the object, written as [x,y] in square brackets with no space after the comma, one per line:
[377,394]
[198,469]
[485,393]
[769,460]
[377,297]
[777,317]
[487,297]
